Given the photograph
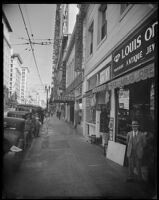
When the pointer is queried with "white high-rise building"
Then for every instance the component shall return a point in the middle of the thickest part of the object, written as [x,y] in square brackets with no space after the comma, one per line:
[15,76]
[6,50]
[6,57]
[23,88]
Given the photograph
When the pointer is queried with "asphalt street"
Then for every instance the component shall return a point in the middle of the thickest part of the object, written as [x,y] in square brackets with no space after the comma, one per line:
[62,164]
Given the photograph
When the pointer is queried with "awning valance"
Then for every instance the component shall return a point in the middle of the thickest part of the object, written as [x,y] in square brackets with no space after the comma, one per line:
[136,76]
[101,88]
[88,93]
[63,99]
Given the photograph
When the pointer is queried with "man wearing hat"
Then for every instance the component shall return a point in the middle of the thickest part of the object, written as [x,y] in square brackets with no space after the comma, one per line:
[135,146]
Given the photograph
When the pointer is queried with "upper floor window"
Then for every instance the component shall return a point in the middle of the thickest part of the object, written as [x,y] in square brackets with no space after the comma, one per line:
[90,36]
[123,7]
[102,22]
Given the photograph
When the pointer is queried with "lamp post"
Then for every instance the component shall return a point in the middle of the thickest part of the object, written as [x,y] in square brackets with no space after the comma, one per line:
[47,89]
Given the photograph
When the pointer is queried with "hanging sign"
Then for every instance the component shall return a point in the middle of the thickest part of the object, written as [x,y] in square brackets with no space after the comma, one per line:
[140,46]
[104,75]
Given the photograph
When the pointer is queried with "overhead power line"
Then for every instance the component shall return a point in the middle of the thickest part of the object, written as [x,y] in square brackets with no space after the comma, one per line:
[39,43]
[30,44]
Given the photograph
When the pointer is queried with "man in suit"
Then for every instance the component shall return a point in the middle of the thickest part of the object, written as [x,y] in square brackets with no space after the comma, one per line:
[135,145]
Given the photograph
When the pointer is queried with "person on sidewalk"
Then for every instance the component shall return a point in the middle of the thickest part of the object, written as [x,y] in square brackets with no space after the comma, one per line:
[135,145]
[27,130]
[37,126]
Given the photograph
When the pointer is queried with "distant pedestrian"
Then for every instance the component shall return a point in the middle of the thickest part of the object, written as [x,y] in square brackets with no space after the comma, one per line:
[106,139]
[27,130]
[37,126]
[33,125]
[135,145]
[59,114]
[42,116]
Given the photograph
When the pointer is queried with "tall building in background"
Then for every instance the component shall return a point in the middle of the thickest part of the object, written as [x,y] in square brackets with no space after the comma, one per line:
[23,86]
[15,76]
[6,57]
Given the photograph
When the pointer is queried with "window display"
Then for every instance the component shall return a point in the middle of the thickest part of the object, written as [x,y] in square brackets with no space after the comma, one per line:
[134,102]
[123,119]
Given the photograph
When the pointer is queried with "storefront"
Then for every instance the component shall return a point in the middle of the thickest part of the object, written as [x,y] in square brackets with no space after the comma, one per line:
[98,101]
[133,85]
[103,96]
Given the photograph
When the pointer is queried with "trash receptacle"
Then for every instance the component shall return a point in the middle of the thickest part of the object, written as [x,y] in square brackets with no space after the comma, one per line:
[93,139]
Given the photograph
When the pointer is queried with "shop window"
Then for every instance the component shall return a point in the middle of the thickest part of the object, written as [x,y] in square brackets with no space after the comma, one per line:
[90,110]
[135,102]
[123,119]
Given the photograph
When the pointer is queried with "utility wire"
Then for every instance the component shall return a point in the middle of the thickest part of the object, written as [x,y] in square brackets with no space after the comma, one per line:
[39,43]
[30,44]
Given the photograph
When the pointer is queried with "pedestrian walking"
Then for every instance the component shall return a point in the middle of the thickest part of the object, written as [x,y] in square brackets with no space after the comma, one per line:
[106,139]
[33,125]
[135,144]
[59,114]
[27,130]
[37,126]
[76,119]
[42,116]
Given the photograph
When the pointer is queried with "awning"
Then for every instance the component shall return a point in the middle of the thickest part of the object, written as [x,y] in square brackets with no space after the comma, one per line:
[88,93]
[136,76]
[63,100]
[101,88]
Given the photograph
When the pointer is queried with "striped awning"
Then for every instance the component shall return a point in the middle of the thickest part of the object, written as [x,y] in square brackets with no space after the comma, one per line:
[136,76]
[88,93]
[101,88]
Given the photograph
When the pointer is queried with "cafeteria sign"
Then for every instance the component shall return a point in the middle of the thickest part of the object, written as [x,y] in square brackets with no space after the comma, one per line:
[137,48]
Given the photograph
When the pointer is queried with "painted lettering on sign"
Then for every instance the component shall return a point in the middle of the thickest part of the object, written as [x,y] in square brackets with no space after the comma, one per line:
[139,47]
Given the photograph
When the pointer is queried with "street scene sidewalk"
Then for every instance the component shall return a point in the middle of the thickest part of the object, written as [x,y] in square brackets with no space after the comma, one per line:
[62,164]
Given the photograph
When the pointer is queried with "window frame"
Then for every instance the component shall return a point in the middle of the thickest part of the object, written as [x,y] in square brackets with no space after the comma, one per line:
[90,37]
[102,23]
[125,11]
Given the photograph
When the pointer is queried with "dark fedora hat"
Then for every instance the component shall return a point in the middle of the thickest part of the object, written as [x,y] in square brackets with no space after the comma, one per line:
[135,123]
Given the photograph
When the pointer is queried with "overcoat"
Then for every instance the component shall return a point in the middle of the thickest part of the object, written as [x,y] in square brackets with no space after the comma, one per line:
[139,145]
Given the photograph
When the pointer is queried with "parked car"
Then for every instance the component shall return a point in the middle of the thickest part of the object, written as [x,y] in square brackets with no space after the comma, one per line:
[13,136]
[17,114]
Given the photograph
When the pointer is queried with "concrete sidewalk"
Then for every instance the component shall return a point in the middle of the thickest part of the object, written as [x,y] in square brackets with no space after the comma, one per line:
[116,175]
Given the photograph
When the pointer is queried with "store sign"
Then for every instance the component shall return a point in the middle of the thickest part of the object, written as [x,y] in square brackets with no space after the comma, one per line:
[138,47]
[104,75]
[63,99]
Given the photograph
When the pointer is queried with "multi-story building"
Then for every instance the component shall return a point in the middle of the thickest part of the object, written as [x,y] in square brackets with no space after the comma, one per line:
[15,76]
[61,38]
[115,53]
[119,75]
[6,56]
[23,85]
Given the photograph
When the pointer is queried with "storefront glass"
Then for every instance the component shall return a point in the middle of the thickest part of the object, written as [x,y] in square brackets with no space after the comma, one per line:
[134,102]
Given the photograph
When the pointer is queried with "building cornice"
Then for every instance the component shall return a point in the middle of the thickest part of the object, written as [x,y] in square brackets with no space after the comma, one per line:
[6,21]
[7,41]
[18,56]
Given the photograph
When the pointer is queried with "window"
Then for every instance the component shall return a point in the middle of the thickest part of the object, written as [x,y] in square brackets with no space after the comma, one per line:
[123,7]
[91,38]
[102,22]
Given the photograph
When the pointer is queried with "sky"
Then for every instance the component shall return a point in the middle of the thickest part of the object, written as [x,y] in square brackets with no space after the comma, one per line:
[40,22]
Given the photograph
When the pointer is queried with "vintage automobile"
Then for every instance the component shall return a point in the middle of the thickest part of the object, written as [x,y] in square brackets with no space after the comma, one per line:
[13,137]
[18,114]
